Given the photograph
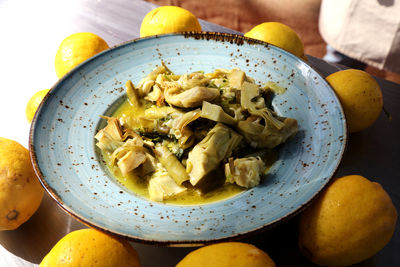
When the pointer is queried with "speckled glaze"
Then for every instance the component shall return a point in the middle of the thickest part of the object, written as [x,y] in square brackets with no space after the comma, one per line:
[70,167]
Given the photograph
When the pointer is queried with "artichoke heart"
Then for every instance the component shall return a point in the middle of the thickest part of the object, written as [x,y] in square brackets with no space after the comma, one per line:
[132,94]
[110,137]
[245,172]
[216,113]
[130,155]
[263,129]
[162,186]
[208,153]
[182,120]
[250,92]
[192,80]
[266,136]
[173,166]
[190,98]
[157,113]
[236,78]
[130,160]
[180,127]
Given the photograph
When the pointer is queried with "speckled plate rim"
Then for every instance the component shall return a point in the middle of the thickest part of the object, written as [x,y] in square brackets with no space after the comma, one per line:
[232,38]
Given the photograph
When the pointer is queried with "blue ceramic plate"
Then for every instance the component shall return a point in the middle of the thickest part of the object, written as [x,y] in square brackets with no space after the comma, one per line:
[69,165]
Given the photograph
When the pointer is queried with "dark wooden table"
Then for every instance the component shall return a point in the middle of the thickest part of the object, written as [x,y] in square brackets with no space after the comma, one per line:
[32,33]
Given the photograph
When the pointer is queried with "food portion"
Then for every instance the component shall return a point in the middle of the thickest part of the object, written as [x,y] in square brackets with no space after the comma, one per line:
[193,133]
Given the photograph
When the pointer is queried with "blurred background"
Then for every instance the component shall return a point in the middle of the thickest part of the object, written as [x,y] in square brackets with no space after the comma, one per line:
[242,15]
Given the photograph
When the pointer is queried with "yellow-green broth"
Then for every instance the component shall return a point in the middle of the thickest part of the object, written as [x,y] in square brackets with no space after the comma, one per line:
[138,185]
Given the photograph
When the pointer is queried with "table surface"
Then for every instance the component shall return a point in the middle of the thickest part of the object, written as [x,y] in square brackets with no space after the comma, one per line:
[31,32]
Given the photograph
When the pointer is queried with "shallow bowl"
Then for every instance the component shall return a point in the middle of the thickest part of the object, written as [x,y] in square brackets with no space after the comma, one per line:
[71,169]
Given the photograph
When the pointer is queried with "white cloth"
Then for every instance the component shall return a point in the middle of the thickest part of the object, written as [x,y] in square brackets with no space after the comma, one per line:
[366,30]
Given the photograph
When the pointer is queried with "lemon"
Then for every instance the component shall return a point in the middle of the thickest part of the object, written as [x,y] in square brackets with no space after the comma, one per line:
[77,48]
[360,96]
[351,221]
[89,247]
[227,254]
[279,35]
[34,103]
[168,19]
[20,190]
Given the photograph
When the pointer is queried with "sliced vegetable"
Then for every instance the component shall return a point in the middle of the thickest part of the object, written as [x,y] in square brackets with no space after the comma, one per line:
[156,95]
[236,78]
[186,118]
[129,156]
[148,166]
[190,98]
[188,81]
[250,92]
[156,113]
[271,86]
[110,137]
[174,167]
[208,154]
[162,187]
[147,125]
[245,172]
[266,136]
[132,93]
[131,160]
[106,142]
[216,113]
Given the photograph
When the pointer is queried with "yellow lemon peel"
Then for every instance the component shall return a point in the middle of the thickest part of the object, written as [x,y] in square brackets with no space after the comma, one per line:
[77,48]
[360,96]
[89,247]
[20,190]
[280,35]
[168,19]
[349,222]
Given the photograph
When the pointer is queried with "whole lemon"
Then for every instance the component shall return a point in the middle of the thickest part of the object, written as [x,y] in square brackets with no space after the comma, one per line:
[20,190]
[34,103]
[360,96]
[168,19]
[227,254]
[279,35]
[77,48]
[349,222]
[89,247]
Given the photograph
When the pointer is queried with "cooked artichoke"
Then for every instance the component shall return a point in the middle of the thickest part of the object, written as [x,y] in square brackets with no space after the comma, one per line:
[236,78]
[133,94]
[184,126]
[110,137]
[245,172]
[162,186]
[173,166]
[216,113]
[208,154]
[130,155]
[190,98]
[266,136]
[263,129]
